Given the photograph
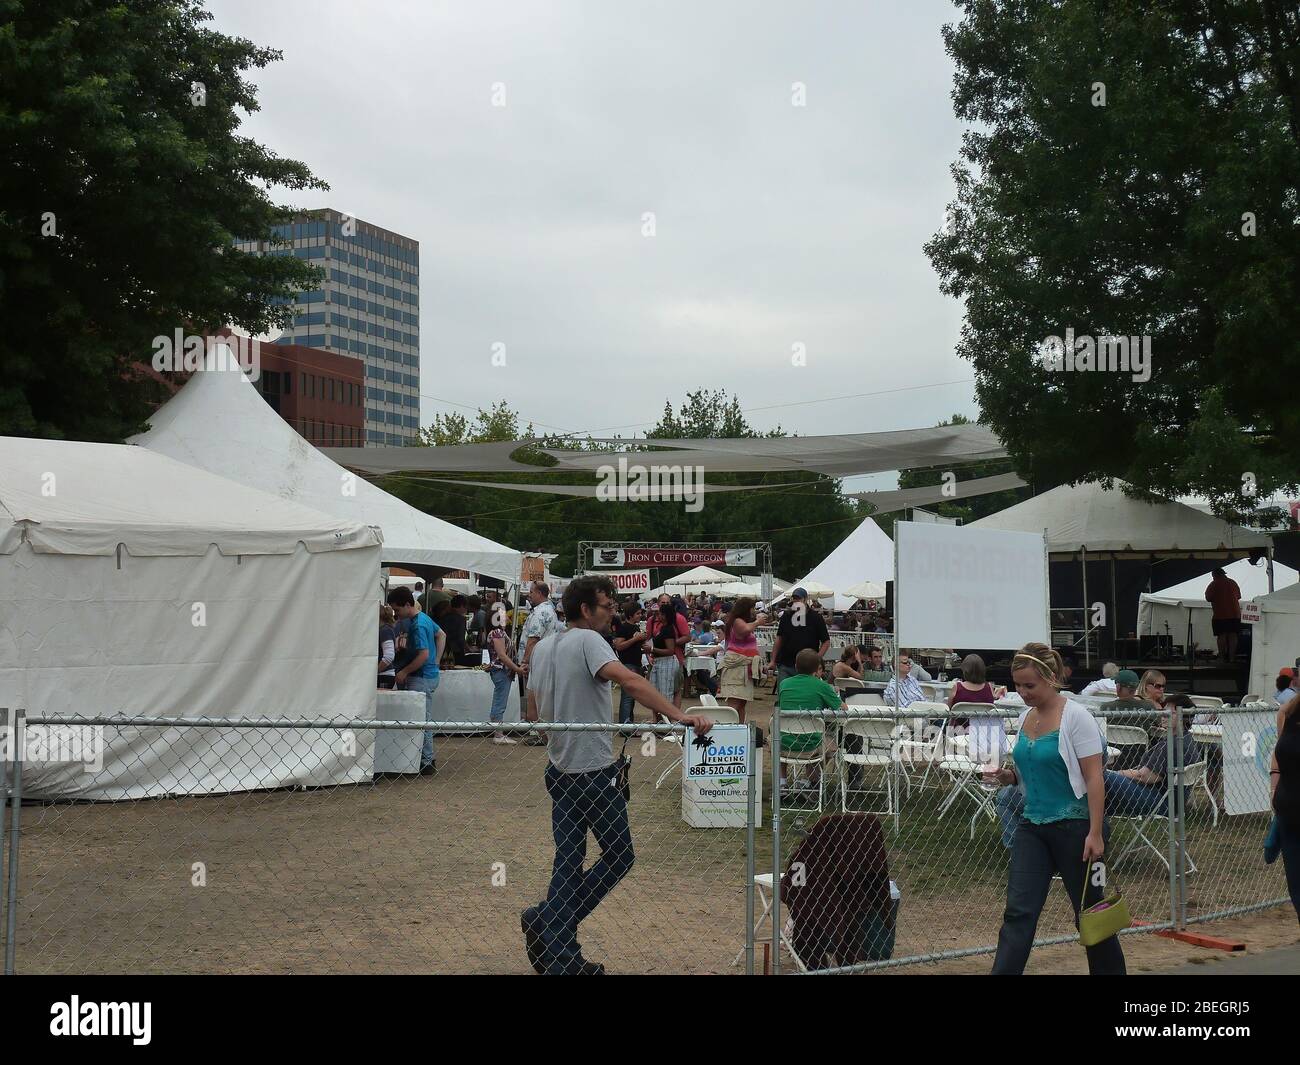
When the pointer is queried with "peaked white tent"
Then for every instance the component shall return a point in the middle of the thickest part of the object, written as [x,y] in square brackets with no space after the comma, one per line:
[1275,641]
[220,423]
[1167,610]
[1088,517]
[133,584]
[867,554]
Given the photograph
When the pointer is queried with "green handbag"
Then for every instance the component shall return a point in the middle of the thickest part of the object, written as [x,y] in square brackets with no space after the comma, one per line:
[1103,919]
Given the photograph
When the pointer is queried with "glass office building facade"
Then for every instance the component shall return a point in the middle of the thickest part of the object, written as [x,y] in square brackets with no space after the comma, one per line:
[368,307]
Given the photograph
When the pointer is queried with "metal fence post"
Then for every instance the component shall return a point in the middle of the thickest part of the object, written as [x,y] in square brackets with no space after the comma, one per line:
[5,748]
[752,784]
[1171,811]
[775,744]
[11,902]
[1180,810]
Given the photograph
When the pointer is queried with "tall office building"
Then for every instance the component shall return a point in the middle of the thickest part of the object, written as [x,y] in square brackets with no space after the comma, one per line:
[368,307]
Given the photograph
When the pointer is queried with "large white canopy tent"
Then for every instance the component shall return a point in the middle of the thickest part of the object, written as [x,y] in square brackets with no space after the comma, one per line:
[136,585]
[1115,542]
[1167,611]
[1089,518]
[220,423]
[867,554]
[1275,639]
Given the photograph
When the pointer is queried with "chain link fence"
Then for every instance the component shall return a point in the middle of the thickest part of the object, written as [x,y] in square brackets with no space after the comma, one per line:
[884,847]
[893,845]
[401,872]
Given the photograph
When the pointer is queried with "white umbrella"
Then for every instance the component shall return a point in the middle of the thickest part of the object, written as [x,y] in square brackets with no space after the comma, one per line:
[866,590]
[815,590]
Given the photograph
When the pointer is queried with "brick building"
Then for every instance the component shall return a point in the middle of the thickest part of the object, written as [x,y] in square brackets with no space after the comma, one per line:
[319,393]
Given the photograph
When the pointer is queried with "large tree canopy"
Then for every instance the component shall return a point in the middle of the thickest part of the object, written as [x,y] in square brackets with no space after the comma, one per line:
[124,182]
[1132,168]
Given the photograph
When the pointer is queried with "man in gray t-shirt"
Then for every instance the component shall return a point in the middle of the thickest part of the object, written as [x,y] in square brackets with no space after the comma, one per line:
[569,682]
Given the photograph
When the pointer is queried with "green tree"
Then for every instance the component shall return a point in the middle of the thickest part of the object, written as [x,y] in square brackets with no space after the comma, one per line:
[1132,169]
[124,183]
[496,424]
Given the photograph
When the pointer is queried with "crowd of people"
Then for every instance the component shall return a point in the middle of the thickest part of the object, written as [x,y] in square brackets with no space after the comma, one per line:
[1055,792]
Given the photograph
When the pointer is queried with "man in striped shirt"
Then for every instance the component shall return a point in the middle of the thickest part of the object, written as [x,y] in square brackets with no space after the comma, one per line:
[908,687]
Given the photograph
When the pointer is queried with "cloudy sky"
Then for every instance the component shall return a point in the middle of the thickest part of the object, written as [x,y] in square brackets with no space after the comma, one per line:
[775,225]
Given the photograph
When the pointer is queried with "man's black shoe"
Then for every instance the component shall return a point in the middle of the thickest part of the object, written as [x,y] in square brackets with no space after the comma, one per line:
[428,770]
[533,947]
[587,968]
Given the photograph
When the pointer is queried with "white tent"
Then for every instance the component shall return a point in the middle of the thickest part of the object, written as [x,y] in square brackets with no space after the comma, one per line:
[1275,641]
[867,554]
[1088,517]
[136,585]
[220,423]
[1166,611]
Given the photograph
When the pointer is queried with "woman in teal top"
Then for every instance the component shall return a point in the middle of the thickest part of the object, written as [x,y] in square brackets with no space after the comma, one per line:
[1048,794]
[1058,765]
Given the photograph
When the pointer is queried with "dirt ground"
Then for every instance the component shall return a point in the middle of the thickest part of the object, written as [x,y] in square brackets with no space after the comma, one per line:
[428,874]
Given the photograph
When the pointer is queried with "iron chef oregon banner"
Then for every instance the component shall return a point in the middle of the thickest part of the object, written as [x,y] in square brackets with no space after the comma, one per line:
[625,557]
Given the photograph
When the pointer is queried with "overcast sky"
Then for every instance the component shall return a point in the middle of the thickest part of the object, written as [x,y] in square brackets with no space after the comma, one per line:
[775,225]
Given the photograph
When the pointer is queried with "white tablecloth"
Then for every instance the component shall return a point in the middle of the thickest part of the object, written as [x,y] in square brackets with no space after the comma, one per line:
[398,750]
[466,695]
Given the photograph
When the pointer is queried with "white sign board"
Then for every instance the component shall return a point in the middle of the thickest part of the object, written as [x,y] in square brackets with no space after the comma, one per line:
[1250,613]
[630,581]
[715,778]
[930,518]
[962,587]
[1248,742]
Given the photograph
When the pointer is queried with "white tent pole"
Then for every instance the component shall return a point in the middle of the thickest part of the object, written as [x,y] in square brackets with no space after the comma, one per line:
[1083,562]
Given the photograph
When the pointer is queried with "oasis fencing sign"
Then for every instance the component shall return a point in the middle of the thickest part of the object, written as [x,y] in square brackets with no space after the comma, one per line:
[715,778]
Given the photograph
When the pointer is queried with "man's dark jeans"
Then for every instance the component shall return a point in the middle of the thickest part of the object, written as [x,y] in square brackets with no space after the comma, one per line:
[581,802]
[1038,852]
[626,707]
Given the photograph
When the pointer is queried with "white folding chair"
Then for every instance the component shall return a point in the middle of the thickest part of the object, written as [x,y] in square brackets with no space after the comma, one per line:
[921,746]
[1206,702]
[763,889]
[1192,775]
[1252,699]
[708,700]
[964,757]
[845,684]
[1127,736]
[877,750]
[805,726]
[864,698]
[719,715]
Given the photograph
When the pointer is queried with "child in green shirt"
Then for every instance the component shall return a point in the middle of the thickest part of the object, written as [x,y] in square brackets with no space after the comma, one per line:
[806,691]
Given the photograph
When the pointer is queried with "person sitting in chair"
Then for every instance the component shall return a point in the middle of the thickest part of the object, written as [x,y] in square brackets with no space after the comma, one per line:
[837,890]
[1136,792]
